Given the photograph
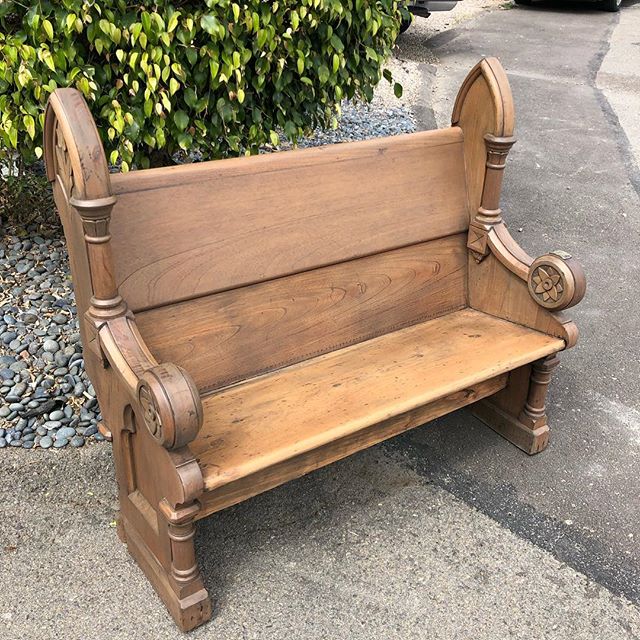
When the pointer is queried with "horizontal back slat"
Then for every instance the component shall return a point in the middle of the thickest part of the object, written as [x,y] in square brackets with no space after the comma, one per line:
[242,332]
[188,231]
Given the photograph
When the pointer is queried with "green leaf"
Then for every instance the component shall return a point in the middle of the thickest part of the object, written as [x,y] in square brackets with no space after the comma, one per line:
[181,119]
[210,24]
[173,21]
[192,56]
[30,126]
[397,90]
[240,96]
[336,43]
[48,28]
[323,74]
[214,67]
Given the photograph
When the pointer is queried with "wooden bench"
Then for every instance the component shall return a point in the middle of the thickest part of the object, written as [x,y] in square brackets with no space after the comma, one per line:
[249,320]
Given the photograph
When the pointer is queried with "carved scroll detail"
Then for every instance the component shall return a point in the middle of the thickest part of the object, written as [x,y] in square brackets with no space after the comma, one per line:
[150,412]
[556,281]
[170,404]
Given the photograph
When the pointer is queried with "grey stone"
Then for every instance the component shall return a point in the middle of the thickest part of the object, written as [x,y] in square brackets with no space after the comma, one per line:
[60,442]
[66,432]
[77,441]
[90,430]
[51,346]
[46,442]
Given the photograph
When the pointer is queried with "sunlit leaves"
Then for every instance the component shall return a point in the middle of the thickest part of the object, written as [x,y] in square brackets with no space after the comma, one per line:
[220,77]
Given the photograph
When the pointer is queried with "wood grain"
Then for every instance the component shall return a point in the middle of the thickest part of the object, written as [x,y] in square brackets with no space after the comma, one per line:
[494,289]
[240,333]
[303,463]
[264,421]
[183,232]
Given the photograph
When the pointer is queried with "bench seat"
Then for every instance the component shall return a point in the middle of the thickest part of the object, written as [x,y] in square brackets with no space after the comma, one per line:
[325,404]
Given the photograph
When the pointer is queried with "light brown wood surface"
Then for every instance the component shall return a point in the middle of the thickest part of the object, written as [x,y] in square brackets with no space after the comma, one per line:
[183,232]
[262,422]
[243,332]
[347,443]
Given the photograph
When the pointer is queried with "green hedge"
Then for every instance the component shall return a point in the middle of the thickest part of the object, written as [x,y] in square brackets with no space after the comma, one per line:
[216,77]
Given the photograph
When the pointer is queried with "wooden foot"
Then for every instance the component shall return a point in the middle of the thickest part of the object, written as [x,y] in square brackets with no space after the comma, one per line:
[518,411]
[179,584]
[105,431]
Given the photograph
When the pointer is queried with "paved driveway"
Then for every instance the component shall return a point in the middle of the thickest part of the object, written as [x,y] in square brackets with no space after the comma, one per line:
[573,183]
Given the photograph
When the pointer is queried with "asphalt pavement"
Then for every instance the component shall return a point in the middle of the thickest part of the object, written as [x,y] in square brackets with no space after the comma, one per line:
[572,183]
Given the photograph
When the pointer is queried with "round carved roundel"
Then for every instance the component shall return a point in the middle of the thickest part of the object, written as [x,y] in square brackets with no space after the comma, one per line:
[151,416]
[552,283]
[547,283]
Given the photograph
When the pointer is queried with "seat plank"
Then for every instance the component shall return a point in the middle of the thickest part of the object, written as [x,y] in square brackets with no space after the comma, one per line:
[243,332]
[188,231]
[263,422]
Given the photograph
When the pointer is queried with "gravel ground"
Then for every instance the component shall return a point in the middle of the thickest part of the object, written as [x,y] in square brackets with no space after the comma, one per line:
[47,399]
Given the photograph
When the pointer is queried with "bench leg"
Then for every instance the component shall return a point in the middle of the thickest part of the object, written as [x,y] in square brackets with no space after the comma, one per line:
[176,577]
[158,534]
[518,411]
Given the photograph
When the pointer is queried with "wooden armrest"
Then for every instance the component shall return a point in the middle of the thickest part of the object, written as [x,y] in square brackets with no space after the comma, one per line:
[164,394]
[556,280]
[504,280]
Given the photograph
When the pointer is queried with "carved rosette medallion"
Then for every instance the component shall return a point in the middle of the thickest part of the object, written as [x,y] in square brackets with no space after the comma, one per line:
[547,283]
[556,281]
[151,415]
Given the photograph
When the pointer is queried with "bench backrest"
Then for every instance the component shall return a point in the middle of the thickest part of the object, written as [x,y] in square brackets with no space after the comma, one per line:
[236,267]
[193,230]
[239,266]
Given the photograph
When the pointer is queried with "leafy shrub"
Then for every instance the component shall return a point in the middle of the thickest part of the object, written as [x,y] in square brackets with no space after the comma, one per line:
[215,77]
[26,199]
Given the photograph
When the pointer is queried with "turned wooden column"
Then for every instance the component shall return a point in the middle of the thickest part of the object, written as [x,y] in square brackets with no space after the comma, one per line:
[534,413]
[498,149]
[184,568]
[489,213]
[106,302]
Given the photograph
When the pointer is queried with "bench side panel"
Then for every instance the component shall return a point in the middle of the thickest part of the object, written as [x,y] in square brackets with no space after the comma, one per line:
[226,337]
[183,232]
